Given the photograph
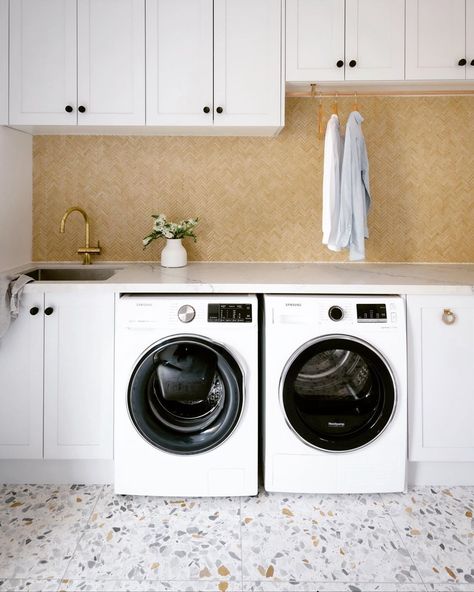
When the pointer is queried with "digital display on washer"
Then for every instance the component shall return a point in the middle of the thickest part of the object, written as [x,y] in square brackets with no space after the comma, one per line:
[371,313]
[229,313]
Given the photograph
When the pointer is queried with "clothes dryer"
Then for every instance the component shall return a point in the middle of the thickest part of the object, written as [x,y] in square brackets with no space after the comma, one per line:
[335,394]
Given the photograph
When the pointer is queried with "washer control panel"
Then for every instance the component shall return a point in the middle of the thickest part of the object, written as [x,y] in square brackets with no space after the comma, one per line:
[229,313]
[371,313]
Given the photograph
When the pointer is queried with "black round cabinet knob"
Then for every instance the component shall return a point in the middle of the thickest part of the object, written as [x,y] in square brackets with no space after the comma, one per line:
[49,311]
[34,310]
[220,110]
[352,63]
[81,109]
[68,109]
[472,62]
[206,109]
[339,63]
[335,313]
[462,62]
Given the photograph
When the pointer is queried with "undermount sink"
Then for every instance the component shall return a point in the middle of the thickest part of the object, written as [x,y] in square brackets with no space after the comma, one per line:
[83,274]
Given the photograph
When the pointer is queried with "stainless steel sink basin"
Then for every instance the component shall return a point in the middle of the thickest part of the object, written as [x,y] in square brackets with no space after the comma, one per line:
[83,274]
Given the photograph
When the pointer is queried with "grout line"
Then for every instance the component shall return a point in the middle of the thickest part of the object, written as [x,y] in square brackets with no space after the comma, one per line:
[241,547]
[99,494]
[402,542]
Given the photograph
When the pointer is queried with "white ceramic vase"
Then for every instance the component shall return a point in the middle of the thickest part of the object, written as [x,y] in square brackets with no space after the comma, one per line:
[174,254]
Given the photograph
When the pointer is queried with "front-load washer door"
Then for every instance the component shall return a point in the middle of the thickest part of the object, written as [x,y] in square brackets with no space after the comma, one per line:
[338,393]
[186,395]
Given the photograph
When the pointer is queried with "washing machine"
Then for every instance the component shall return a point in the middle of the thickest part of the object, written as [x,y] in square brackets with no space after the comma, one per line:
[186,395]
[335,394]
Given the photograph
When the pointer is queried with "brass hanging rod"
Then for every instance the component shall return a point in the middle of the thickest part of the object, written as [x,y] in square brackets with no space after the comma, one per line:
[316,94]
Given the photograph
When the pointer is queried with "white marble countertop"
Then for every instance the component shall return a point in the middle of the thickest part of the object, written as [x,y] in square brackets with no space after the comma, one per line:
[296,278]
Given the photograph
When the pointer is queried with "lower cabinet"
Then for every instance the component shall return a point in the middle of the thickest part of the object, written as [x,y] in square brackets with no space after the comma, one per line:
[440,377]
[56,377]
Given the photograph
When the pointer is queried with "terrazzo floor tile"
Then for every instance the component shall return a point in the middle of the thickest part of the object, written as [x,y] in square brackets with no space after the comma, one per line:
[330,587]
[323,539]
[19,585]
[195,539]
[437,527]
[149,586]
[40,528]
[449,587]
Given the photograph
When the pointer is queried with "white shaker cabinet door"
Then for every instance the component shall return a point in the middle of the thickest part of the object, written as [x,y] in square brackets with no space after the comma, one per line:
[179,62]
[314,40]
[247,62]
[21,382]
[375,40]
[3,62]
[440,378]
[43,62]
[470,39]
[78,375]
[435,39]
[111,62]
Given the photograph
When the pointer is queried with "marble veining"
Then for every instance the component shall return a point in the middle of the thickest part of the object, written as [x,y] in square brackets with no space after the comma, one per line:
[86,538]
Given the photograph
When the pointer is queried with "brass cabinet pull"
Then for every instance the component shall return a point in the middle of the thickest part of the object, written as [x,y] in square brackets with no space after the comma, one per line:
[448,316]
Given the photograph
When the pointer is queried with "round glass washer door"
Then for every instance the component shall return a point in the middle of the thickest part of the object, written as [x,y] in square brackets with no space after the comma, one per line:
[186,395]
[338,393]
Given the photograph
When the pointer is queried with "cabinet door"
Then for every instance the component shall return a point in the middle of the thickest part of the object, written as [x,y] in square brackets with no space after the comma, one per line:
[314,40]
[3,62]
[78,375]
[21,382]
[470,39]
[247,63]
[111,62]
[440,385]
[435,39]
[42,62]
[179,62]
[375,40]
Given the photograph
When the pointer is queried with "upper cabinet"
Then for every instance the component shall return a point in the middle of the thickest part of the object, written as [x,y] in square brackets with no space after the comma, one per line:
[214,63]
[72,63]
[335,40]
[3,62]
[439,37]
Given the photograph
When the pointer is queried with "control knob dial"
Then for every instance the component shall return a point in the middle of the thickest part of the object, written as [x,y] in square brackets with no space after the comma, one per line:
[186,313]
[335,313]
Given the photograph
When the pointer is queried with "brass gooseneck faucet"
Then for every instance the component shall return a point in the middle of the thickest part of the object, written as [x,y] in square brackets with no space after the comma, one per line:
[87,251]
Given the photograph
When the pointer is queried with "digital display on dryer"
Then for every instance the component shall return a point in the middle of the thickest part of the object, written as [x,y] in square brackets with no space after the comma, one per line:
[229,313]
[371,313]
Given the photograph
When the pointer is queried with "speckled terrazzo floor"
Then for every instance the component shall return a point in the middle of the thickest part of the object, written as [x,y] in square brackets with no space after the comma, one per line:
[86,538]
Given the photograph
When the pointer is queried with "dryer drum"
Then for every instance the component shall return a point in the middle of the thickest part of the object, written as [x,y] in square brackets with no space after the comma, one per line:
[186,395]
[338,393]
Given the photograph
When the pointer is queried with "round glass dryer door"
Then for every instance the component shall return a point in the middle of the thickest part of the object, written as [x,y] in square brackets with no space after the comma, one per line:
[185,395]
[338,393]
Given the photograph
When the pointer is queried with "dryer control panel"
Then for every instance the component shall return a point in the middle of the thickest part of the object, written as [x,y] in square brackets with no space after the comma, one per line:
[229,313]
[371,313]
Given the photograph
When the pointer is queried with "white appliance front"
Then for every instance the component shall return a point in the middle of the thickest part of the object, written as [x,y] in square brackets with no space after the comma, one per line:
[186,395]
[335,394]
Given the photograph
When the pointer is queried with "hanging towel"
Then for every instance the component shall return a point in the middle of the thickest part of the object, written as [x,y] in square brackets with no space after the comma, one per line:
[332,182]
[355,191]
[10,294]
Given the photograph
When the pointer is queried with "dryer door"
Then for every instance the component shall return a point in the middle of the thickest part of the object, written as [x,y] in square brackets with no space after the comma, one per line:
[186,395]
[338,393]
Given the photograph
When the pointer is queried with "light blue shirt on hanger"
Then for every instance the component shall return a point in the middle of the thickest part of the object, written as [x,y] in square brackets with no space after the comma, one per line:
[355,192]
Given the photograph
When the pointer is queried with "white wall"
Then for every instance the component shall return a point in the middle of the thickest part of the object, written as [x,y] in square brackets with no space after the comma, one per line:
[3,61]
[16,186]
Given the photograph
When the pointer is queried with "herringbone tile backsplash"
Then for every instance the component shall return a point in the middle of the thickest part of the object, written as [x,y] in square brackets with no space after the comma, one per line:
[259,199]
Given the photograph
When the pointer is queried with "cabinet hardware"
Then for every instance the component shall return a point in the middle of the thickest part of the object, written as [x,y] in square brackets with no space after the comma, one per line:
[81,109]
[34,310]
[49,311]
[462,62]
[339,63]
[220,110]
[352,63]
[206,109]
[448,316]
[472,62]
[68,109]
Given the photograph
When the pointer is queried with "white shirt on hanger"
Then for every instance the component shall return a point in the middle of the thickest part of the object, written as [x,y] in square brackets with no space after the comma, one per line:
[331,182]
[355,191]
